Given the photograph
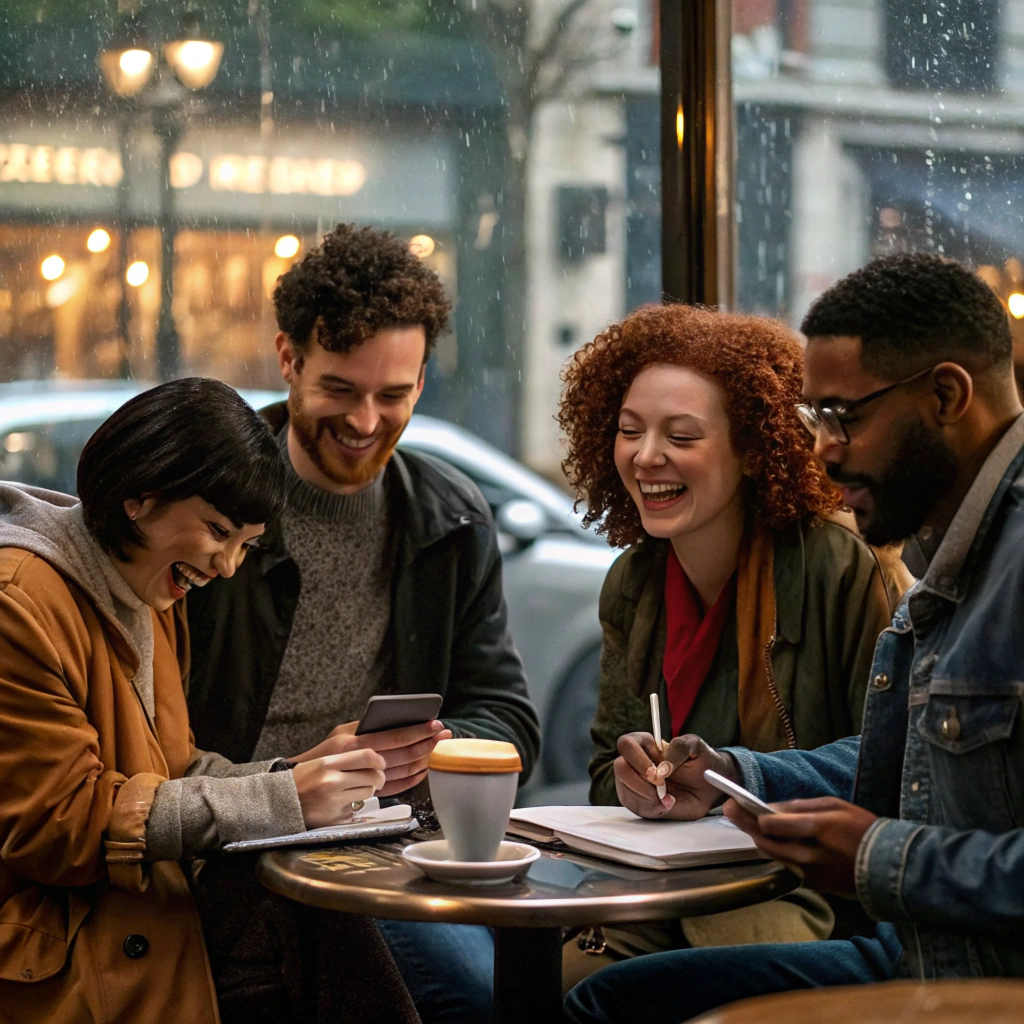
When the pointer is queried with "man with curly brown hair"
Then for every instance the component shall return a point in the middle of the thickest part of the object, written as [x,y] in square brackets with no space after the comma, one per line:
[383,574]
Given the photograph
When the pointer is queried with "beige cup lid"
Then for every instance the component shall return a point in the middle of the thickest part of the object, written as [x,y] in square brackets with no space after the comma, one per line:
[477,756]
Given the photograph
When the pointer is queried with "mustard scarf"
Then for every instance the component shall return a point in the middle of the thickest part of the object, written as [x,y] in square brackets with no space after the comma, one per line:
[764,722]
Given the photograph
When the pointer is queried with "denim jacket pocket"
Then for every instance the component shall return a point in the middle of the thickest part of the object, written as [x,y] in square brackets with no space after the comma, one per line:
[969,744]
[960,724]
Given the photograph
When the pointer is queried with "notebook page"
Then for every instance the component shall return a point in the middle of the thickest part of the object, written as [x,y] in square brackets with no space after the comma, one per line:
[663,838]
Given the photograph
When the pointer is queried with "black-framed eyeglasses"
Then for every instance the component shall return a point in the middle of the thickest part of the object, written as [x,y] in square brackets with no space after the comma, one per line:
[834,416]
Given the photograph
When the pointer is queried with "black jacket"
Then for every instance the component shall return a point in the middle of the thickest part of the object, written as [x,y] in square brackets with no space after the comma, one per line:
[448,627]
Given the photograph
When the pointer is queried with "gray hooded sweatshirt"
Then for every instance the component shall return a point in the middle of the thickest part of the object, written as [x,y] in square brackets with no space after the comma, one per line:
[217,801]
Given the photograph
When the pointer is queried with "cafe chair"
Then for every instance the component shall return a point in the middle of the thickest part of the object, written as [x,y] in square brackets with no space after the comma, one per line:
[992,1000]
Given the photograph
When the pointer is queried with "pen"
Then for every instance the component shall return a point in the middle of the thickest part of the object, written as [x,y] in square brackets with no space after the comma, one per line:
[656,729]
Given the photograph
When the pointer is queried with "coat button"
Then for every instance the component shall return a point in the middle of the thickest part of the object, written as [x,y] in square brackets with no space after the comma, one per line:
[951,726]
[881,681]
[136,946]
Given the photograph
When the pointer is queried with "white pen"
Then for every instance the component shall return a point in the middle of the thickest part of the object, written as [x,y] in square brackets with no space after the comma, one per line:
[659,742]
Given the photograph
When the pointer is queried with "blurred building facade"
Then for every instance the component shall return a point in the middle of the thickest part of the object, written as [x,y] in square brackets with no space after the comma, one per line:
[873,126]
[514,145]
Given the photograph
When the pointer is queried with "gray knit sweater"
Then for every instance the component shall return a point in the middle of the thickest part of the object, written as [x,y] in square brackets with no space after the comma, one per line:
[338,654]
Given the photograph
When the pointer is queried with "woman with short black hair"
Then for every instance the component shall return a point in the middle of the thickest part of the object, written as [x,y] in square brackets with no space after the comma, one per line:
[102,791]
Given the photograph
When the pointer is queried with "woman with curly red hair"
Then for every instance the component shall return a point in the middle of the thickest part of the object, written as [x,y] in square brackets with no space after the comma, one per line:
[737,600]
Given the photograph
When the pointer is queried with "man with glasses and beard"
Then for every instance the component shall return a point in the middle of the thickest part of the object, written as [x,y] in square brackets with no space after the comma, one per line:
[382,576]
[910,394]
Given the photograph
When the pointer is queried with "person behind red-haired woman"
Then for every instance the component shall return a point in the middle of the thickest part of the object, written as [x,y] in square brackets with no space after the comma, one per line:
[737,600]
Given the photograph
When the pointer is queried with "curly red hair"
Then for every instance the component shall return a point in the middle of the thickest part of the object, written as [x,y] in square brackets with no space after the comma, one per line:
[759,365]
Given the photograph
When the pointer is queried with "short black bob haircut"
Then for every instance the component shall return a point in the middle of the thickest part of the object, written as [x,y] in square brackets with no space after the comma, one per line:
[913,308]
[188,437]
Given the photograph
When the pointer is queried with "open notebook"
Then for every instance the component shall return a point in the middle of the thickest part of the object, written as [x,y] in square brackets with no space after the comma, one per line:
[372,822]
[617,834]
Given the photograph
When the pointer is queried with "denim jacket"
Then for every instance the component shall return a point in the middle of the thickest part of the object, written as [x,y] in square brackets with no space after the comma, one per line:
[941,755]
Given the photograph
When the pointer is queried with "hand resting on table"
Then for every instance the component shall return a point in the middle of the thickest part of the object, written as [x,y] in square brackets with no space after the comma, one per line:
[329,786]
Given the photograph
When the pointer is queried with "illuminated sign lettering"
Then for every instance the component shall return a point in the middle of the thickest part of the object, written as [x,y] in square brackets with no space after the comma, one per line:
[228,172]
[65,165]
[285,175]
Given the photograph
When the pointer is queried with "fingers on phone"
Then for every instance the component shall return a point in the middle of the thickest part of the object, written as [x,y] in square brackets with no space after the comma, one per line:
[406,736]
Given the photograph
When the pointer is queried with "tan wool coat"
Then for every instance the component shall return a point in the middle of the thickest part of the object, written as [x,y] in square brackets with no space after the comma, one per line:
[89,932]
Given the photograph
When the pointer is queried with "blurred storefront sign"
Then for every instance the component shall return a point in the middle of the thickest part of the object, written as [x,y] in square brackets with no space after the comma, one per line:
[65,165]
[227,175]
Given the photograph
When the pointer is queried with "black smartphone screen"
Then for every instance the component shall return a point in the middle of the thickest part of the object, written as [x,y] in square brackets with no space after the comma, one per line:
[397,710]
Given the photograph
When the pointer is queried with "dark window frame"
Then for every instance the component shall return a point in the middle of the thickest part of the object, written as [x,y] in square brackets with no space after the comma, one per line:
[697,227]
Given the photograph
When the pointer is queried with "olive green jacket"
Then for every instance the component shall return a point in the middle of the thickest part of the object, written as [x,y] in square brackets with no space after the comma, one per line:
[831,606]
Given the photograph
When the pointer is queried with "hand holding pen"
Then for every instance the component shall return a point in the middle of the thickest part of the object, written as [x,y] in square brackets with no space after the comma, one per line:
[643,764]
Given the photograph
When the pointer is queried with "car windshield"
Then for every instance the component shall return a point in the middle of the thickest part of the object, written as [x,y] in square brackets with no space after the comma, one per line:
[43,430]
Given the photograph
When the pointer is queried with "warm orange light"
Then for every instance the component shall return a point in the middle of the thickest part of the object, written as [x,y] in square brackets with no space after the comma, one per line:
[98,241]
[286,247]
[1015,304]
[137,273]
[421,245]
[680,125]
[52,267]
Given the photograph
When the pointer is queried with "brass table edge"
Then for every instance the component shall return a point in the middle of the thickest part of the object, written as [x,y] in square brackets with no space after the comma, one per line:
[480,907]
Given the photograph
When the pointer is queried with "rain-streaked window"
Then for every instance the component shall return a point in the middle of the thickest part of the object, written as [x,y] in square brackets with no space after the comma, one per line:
[867,127]
[515,146]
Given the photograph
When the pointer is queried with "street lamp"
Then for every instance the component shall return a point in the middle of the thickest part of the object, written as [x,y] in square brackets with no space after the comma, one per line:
[194,61]
[127,69]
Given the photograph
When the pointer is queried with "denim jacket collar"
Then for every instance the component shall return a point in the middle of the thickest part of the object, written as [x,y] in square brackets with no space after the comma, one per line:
[944,577]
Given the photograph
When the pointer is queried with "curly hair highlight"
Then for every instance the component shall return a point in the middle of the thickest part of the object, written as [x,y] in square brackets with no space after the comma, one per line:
[759,365]
[357,282]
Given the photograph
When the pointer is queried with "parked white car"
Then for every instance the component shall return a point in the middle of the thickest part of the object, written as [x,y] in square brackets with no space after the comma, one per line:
[553,568]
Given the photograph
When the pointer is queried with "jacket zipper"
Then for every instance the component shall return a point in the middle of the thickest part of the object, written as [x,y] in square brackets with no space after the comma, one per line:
[787,723]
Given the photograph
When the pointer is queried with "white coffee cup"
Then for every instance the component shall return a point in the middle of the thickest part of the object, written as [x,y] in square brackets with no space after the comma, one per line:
[473,787]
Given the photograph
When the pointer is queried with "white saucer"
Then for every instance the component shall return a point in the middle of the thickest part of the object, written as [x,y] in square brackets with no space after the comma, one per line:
[511,861]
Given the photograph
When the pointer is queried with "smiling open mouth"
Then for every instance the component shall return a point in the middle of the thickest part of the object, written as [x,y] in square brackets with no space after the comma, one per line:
[356,443]
[186,576]
[661,494]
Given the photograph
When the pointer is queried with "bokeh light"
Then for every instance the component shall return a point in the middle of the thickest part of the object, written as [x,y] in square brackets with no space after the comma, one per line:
[98,241]
[137,273]
[286,247]
[135,62]
[52,267]
[421,245]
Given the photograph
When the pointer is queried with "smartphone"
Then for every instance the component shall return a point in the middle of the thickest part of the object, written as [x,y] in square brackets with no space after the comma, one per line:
[397,710]
[742,796]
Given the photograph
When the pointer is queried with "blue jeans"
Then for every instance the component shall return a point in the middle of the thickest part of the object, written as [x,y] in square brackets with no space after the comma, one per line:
[666,988]
[447,968]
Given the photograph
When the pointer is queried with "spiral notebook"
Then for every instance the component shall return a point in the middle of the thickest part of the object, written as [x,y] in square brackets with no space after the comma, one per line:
[372,822]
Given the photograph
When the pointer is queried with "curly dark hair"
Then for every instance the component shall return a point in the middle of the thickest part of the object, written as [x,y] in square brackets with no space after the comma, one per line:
[758,364]
[356,282]
[913,308]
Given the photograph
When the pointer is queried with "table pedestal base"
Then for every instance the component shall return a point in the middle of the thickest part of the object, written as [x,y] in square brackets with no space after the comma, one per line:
[527,975]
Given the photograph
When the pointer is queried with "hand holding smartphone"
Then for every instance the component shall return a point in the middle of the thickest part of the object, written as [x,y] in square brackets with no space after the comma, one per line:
[395,711]
[742,796]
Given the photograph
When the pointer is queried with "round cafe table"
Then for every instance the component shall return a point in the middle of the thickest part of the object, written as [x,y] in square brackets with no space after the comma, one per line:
[560,890]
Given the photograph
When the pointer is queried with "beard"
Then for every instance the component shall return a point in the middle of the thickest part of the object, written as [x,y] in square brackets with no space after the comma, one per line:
[921,471]
[315,437]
